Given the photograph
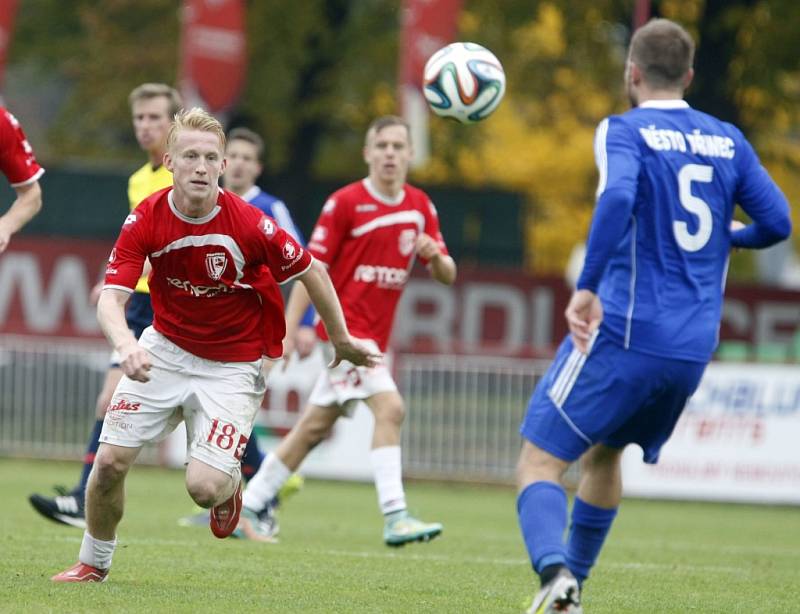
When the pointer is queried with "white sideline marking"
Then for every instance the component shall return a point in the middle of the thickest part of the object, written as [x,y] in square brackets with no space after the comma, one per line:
[477,560]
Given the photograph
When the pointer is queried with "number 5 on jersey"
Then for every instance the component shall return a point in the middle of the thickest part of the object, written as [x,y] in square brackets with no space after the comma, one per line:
[697,206]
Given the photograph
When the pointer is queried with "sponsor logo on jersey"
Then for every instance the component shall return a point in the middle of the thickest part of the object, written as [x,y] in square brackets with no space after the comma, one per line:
[289,251]
[113,255]
[381,276]
[215,264]
[205,291]
[130,219]
[366,207]
[329,206]
[267,227]
[298,253]
[123,405]
[406,241]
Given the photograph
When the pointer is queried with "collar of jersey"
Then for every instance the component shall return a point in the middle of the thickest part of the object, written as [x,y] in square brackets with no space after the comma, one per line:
[678,103]
[380,197]
[192,220]
[251,193]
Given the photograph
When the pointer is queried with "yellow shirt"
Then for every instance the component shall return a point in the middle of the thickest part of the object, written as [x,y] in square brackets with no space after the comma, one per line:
[142,184]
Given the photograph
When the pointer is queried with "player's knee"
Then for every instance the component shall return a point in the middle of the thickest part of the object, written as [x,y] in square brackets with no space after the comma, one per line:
[204,492]
[393,412]
[108,469]
[600,459]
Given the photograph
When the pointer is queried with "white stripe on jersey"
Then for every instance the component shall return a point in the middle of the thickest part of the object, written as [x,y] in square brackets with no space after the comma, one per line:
[632,294]
[225,241]
[561,388]
[401,217]
[601,155]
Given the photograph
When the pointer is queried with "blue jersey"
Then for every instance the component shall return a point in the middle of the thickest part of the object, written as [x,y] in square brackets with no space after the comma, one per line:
[277,210]
[658,248]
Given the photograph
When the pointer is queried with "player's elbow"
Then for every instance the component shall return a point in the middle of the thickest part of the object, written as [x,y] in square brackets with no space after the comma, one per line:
[783,229]
[31,198]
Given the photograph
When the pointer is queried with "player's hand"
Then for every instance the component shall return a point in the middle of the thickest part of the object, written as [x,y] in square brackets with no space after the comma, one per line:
[304,341]
[737,225]
[135,362]
[357,351]
[427,247]
[288,348]
[94,295]
[5,237]
[584,314]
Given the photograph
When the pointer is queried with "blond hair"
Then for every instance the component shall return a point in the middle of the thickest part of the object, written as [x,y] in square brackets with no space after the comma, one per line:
[147,91]
[195,119]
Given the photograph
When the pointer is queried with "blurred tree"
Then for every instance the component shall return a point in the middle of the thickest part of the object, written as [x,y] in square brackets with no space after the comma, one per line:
[320,70]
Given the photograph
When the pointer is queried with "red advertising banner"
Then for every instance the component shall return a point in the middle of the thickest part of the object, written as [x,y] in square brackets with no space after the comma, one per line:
[45,284]
[213,52]
[8,10]
[426,26]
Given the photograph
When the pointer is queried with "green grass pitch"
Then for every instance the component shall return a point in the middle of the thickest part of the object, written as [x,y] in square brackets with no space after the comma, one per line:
[661,556]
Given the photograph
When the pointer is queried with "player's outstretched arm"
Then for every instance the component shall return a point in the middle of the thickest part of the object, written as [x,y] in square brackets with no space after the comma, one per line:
[441,266]
[320,290]
[134,360]
[27,204]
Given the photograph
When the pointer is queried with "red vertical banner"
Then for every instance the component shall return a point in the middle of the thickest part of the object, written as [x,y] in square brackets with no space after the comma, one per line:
[8,10]
[641,13]
[213,53]
[426,26]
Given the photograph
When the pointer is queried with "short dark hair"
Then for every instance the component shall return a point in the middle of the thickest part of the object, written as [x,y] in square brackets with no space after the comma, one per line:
[663,51]
[146,91]
[384,122]
[245,134]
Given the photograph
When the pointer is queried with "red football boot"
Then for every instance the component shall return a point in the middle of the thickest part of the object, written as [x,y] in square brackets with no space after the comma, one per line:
[225,517]
[80,572]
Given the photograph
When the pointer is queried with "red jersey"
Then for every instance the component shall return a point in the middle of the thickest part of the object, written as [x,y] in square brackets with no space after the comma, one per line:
[17,161]
[213,279]
[368,243]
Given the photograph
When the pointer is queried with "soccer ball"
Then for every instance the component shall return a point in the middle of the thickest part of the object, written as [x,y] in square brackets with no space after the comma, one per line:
[464,81]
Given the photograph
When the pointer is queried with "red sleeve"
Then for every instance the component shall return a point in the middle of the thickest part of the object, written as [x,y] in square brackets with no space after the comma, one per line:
[17,161]
[283,255]
[432,227]
[130,251]
[330,231]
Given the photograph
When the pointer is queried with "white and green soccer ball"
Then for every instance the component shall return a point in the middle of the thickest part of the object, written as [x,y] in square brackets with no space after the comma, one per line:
[464,81]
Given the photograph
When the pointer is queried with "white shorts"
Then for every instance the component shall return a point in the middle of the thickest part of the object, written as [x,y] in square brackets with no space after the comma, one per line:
[217,400]
[346,384]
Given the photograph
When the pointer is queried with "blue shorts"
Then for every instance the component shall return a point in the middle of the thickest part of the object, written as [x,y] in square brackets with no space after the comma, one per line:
[611,396]
[139,313]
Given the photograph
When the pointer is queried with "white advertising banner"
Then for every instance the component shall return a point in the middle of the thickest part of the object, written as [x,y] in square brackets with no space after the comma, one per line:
[342,455]
[737,440]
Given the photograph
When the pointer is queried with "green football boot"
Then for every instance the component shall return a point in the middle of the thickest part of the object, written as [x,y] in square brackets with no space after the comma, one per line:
[400,529]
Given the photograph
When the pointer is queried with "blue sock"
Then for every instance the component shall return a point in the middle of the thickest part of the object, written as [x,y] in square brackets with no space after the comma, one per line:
[252,458]
[590,525]
[88,459]
[542,510]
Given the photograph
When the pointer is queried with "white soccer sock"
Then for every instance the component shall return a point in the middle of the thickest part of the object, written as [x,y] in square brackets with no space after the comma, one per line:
[96,552]
[266,483]
[388,471]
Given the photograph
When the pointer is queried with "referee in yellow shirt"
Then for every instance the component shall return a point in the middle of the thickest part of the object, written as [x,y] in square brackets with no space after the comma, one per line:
[153,105]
